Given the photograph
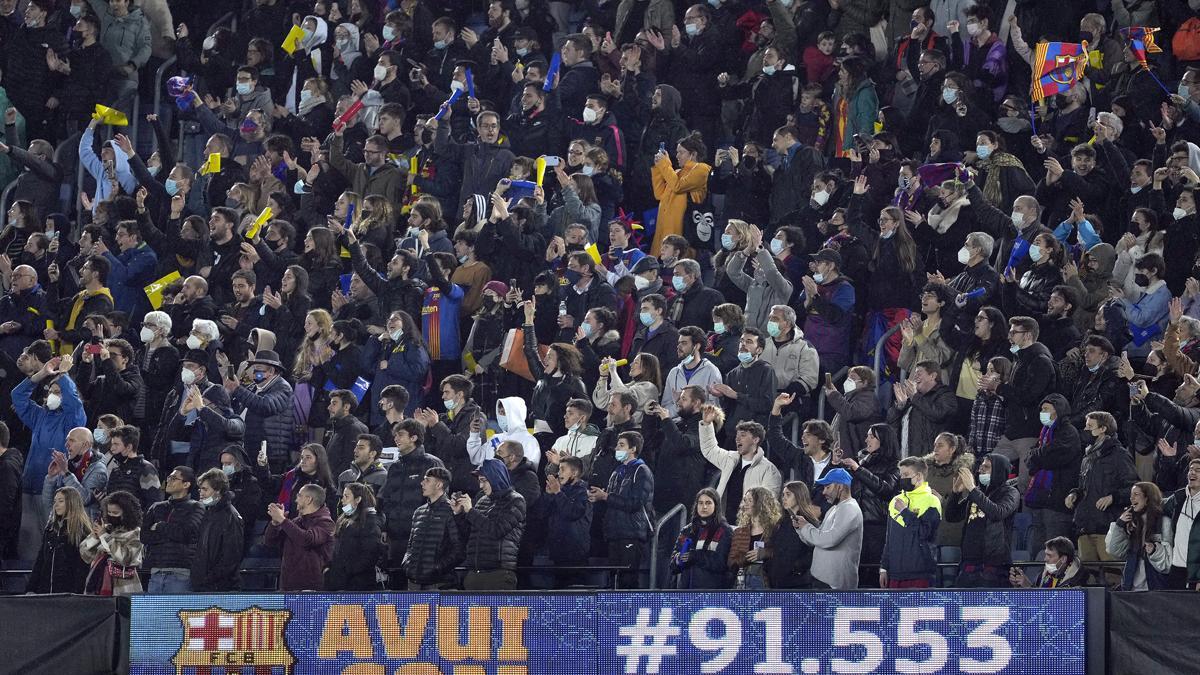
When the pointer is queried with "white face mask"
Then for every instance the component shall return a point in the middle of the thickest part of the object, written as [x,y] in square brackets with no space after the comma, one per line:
[821,197]
[53,401]
[590,115]
[194,342]
[455,85]
[210,42]
[187,376]
[208,501]
[380,73]
[849,385]
[146,334]
[640,282]
[1018,219]
[964,256]
[1179,213]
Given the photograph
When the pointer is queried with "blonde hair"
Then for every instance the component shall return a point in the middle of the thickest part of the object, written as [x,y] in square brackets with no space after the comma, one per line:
[75,520]
[310,348]
[382,215]
[765,511]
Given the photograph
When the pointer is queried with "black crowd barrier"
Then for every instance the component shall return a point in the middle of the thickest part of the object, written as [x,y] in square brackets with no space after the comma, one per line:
[64,635]
[1154,632]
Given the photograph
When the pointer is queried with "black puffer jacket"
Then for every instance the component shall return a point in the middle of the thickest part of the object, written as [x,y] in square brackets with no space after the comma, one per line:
[629,515]
[1029,295]
[1106,471]
[401,495]
[59,567]
[169,532]
[341,435]
[219,548]
[357,549]
[568,523]
[435,545]
[1031,380]
[551,392]
[678,464]
[1054,462]
[448,442]
[987,540]
[495,525]
[874,486]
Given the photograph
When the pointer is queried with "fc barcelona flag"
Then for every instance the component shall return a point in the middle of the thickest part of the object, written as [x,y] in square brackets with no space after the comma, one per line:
[1059,65]
[1141,42]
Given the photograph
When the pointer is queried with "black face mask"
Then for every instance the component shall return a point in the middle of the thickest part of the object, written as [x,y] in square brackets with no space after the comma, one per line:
[750,162]
[1141,280]
[906,485]
[426,137]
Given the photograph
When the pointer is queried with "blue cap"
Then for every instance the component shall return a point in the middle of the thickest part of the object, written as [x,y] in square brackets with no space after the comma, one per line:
[841,476]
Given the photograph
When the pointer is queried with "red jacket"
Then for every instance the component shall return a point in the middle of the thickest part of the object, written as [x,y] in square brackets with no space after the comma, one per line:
[307,543]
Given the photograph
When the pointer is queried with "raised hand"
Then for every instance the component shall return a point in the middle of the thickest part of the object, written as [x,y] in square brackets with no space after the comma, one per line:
[860,185]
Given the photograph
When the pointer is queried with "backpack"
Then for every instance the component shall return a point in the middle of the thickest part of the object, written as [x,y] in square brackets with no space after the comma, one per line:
[1186,42]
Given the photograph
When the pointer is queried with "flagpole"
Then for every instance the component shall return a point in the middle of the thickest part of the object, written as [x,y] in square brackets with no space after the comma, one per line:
[1151,73]
[1033,117]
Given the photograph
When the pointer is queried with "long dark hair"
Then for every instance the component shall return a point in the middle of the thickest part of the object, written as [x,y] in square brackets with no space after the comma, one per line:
[889,444]
[718,516]
[366,502]
[324,475]
[998,335]
[1148,523]
[301,276]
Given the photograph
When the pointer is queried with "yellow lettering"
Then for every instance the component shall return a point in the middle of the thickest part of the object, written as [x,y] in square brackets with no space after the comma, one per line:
[479,634]
[364,669]
[345,631]
[512,670]
[512,633]
[469,670]
[402,642]
[418,669]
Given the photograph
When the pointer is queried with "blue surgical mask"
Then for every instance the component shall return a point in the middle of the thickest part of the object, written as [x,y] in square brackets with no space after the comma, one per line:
[678,283]
[745,357]
[152,170]
[300,188]
[522,52]
[100,434]
[776,246]
[818,277]
[687,360]
[949,95]
[259,376]
[983,151]
[389,33]
[904,182]
[305,95]
[692,29]
[449,403]
[440,44]
[171,186]
[208,501]
[985,479]
[587,170]
[244,88]
[348,509]
[1014,349]
[773,329]
[727,241]
[228,469]
[1183,90]
[1045,418]
[502,422]
[1035,253]
[462,260]
[1134,189]
[621,455]
[646,318]
[719,327]
[769,70]
[587,329]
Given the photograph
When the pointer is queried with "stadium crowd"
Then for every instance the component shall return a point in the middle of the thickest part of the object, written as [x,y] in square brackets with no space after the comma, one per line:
[434,294]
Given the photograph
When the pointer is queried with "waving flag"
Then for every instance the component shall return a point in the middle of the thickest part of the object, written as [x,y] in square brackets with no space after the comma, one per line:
[1141,42]
[1058,65]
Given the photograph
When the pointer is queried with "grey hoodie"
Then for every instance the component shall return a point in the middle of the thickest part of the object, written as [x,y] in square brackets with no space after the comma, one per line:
[126,38]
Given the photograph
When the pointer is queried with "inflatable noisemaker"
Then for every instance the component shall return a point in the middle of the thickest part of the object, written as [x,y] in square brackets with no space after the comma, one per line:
[539,167]
[555,63]
[261,220]
[344,252]
[341,122]
[213,165]
[180,88]
[594,251]
[110,116]
[454,96]
[292,41]
[470,84]
[412,168]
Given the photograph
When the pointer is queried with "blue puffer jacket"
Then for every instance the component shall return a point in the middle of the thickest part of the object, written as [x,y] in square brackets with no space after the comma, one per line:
[268,416]
[131,272]
[49,428]
[630,499]
[569,523]
[407,366]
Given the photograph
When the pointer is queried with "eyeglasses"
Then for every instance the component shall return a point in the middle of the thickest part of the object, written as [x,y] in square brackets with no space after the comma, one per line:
[1016,331]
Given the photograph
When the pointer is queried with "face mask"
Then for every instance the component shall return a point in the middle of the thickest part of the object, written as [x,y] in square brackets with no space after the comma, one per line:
[587,330]
[621,455]
[146,334]
[449,403]
[171,187]
[886,234]
[1018,218]
[768,70]
[209,501]
[678,283]
[1014,349]
[745,357]
[455,85]
[232,203]
[153,170]
[244,89]
[440,44]
[776,246]
[77,11]
[1051,568]
[646,318]
[786,3]
[640,283]
[1135,189]
[983,151]
[821,197]
[687,360]
[985,479]
[818,277]
[305,95]
[462,260]
[348,509]
[187,376]
[1035,253]
[194,342]
[573,276]
[1045,418]
[210,42]
[100,434]
[719,327]
[1183,90]
[849,385]
[1141,280]
[904,182]
[380,73]
[727,242]
[389,33]
[589,115]
[692,29]
[53,401]
[502,422]
[1179,213]
[1092,369]
[964,255]
[773,329]
[587,170]
[906,485]
[948,95]
[522,52]
[395,335]
[973,29]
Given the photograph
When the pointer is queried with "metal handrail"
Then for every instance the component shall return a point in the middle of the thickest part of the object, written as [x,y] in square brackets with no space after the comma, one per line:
[677,510]
[158,79]
[879,349]
[821,398]
[4,203]
[133,120]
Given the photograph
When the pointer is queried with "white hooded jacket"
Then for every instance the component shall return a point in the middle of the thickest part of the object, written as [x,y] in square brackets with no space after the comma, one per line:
[513,426]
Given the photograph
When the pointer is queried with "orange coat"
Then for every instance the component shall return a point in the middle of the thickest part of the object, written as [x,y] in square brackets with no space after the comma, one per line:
[672,188]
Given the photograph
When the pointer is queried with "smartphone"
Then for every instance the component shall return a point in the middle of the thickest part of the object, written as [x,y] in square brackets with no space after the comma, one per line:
[94,350]
[552,160]
[1133,389]
[829,379]
[662,147]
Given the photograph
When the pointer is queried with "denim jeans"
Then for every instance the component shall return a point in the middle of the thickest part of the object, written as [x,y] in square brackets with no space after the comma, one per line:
[169,581]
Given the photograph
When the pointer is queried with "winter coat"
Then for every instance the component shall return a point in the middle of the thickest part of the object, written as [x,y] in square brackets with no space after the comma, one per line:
[207,435]
[374,477]
[447,440]
[941,479]
[630,504]
[483,165]
[837,545]
[791,184]
[767,288]
[357,549]
[1054,461]
[401,495]
[790,560]
[677,463]
[988,514]
[268,416]
[1031,380]
[435,544]
[220,545]
[59,567]
[708,545]
[1106,471]
[49,428]
[756,389]
[388,181]
[568,522]
[130,271]
[407,365]
[829,316]
[126,38]
[855,413]
[121,549]
[1101,390]
[861,112]
[307,543]
[795,362]
[94,483]
[694,306]
[1136,576]
[910,547]
[137,476]
[494,526]
[760,473]
[169,531]
[874,486]
[341,435]
[551,392]
[1173,506]
[925,415]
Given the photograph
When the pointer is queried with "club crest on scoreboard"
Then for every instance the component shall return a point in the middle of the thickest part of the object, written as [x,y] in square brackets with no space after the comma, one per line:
[251,638]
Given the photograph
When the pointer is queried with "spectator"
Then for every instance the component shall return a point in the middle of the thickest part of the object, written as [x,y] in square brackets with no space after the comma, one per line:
[194,424]
[790,563]
[741,470]
[1180,507]
[267,406]
[11,460]
[693,369]
[493,529]
[365,467]
[693,302]
[793,358]
[114,549]
[568,518]
[910,556]
[758,517]
[748,389]
[83,469]
[1142,536]
[628,520]
[676,188]
[828,298]
[987,509]
[768,286]
[876,475]
[59,567]
[923,406]
[1054,471]
[343,428]
[128,471]
[402,357]
[702,549]
[434,544]
[510,417]
[645,377]
[169,533]
[357,543]
[306,540]
[1061,570]
[837,542]
[856,408]
[402,493]
[1105,476]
